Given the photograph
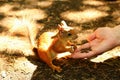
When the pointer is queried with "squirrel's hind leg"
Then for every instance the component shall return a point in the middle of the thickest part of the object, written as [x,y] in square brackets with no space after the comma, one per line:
[55,68]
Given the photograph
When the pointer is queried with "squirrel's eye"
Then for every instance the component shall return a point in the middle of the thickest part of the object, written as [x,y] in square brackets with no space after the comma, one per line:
[69,34]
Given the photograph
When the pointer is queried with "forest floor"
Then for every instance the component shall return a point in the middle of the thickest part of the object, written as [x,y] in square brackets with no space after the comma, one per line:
[86,16]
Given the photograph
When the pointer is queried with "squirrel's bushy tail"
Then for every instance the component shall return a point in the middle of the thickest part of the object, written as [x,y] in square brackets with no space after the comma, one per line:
[19,36]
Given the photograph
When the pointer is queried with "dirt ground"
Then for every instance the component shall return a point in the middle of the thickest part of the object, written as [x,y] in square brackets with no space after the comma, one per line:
[86,16]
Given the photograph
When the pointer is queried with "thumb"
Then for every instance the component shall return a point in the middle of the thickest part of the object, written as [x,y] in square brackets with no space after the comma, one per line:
[91,37]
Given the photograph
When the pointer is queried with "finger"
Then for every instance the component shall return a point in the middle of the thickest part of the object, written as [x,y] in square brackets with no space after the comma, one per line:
[92,37]
[86,45]
[83,55]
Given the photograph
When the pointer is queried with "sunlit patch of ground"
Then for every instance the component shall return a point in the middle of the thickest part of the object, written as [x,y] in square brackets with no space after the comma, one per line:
[83,16]
[116,16]
[32,13]
[6,8]
[107,55]
[16,68]
[44,4]
[83,35]
[35,14]
[93,2]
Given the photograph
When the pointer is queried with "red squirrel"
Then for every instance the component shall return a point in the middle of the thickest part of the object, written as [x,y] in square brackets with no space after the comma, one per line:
[52,43]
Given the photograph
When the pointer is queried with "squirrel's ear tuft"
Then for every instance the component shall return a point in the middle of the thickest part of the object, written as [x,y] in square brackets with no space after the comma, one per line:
[60,28]
[62,25]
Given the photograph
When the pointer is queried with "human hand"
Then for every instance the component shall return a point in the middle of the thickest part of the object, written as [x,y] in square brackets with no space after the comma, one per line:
[102,40]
